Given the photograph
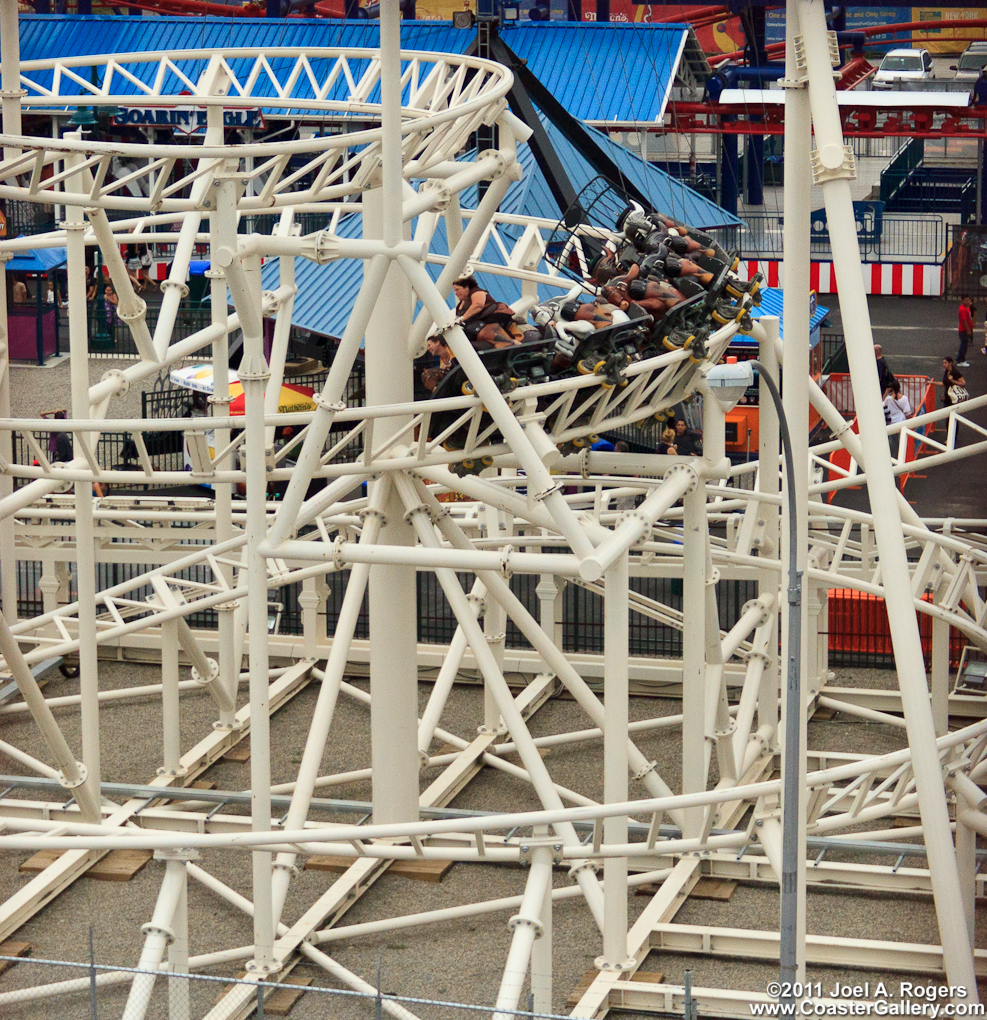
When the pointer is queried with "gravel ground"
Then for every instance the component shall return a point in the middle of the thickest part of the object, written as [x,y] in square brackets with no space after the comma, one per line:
[455,960]
[35,389]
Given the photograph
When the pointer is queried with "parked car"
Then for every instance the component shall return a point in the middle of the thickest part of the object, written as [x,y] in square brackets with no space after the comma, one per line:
[972,60]
[903,65]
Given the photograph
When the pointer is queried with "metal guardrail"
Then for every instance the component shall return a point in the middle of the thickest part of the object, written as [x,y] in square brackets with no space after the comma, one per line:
[913,237]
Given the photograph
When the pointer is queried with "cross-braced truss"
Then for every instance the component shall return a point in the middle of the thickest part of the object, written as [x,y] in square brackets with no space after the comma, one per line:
[533,499]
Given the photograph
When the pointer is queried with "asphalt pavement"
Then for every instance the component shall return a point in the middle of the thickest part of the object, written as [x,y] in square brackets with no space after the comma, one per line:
[916,333]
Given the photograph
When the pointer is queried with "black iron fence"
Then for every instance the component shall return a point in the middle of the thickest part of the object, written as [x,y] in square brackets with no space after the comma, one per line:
[113,450]
[858,633]
[917,238]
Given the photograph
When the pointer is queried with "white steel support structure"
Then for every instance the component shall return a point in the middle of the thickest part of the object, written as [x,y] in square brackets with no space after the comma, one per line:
[378,471]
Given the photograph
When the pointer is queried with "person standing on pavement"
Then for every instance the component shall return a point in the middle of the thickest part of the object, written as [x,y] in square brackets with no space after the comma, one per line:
[965,329]
[884,374]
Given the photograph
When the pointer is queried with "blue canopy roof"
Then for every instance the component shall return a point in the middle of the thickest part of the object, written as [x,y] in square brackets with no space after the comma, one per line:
[37,260]
[772,303]
[598,72]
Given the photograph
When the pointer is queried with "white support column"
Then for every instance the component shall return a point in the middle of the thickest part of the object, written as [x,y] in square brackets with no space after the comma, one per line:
[541,951]
[10,70]
[495,629]
[253,377]
[940,669]
[795,397]
[832,171]
[219,402]
[694,539]
[170,715]
[85,548]
[8,557]
[179,1007]
[393,589]
[615,763]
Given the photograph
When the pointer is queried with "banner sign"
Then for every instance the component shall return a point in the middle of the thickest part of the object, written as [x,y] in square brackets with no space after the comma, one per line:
[186,120]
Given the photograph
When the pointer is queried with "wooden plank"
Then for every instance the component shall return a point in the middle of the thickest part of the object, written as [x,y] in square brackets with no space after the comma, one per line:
[239,752]
[704,889]
[40,860]
[650,977]
[12,949]
[424,870]
[120,865]
[280,1001]
[116,866]
[713,889]
[202,784]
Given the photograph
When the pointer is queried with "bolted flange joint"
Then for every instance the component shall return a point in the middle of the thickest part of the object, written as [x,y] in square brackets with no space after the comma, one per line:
[370,511]
[262,967]
[678,469]
[74,784]
[158,929]
[498,157]
[285,866]
[642,519]
[764,615]
[495,731]
[167,285]
[579,866]
[121,383]
[823,170]
[519,921]
[173,773]
[140,310]
[213,673]
[644,770]
[442,196]
[413,512]
[601,963]
[332,406]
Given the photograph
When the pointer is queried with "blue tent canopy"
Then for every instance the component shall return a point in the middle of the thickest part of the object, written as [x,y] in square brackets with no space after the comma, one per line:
[37,260]
[605,72]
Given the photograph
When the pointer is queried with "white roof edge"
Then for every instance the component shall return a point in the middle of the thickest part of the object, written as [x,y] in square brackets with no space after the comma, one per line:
[850,97]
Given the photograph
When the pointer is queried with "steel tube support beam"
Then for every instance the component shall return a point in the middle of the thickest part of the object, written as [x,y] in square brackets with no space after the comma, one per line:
[158,935]
[8,578]
[695,537]
[526,928]
[615,763]
[325,707]
[957,951]
[85,548]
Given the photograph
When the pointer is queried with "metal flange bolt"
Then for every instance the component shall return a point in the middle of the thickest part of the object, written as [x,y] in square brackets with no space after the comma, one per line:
[615,968]
[74,784]
[518,921]
[158,929]
[213,673]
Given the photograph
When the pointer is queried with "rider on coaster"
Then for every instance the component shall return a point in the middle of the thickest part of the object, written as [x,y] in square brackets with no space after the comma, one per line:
[487,323]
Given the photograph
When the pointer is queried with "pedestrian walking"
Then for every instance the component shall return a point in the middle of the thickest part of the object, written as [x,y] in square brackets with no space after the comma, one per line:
[967,314]
[953,383]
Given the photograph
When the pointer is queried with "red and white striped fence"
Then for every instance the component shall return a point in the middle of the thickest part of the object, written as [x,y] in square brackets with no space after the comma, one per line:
[897,278]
